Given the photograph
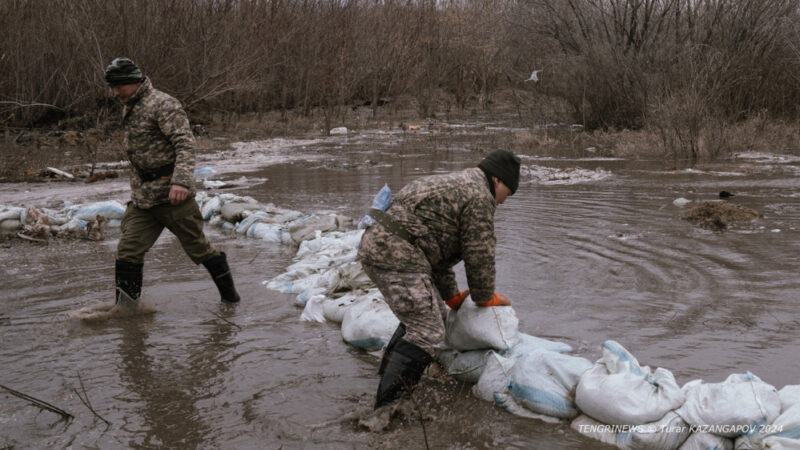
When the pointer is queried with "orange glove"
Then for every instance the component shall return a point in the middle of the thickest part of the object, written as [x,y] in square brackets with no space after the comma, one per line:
[496,300]
[455,301]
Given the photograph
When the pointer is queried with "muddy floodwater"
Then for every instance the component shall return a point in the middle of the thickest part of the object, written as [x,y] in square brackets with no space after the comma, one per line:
[584,255]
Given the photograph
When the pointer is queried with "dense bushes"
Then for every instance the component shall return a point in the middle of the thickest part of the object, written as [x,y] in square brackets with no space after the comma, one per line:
[673,65]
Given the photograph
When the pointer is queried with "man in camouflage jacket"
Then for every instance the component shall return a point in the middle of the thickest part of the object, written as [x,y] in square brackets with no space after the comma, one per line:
[432,224]
[161,149]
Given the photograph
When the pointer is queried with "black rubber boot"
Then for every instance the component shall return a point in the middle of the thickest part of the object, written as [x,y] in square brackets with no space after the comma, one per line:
[128,278]
[406,364]
[399,332]
[221,274]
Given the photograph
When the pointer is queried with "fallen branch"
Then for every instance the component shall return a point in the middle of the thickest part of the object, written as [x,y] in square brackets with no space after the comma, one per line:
[41,404]
[85,400]
[224,319]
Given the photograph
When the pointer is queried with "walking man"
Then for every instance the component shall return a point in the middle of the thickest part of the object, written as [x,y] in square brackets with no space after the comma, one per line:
[161,149]
[432,224]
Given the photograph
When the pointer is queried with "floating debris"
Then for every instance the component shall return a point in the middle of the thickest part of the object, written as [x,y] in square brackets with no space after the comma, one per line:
[719,215]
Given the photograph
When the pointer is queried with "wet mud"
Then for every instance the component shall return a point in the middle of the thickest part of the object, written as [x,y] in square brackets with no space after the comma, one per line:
[603,257]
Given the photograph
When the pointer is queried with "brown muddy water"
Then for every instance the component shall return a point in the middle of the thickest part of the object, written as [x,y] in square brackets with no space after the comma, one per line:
[582,262]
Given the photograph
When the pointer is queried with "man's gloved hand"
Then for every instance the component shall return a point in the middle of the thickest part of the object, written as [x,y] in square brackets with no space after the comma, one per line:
[455,301]
[496,300]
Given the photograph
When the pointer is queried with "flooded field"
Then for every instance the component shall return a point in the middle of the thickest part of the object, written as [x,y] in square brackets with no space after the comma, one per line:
[589,249]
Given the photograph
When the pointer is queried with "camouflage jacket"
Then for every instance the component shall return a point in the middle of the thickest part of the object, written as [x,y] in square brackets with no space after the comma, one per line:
[452,218]
[157,133]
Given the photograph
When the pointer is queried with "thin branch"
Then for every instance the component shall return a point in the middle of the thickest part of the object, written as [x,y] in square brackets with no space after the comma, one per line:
[224,319]
[41,404]
[85,400]
[29,105]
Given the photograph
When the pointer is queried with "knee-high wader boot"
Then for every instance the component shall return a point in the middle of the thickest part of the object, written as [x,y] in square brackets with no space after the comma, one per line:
[403,371]
[399,332]
[128,279]
[221,274]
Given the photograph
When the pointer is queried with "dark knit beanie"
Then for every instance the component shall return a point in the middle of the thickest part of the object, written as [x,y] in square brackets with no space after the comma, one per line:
[503,165]
[123,71]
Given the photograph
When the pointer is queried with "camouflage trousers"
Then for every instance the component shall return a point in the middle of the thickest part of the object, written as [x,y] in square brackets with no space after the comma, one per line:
[416,302]
[141,227]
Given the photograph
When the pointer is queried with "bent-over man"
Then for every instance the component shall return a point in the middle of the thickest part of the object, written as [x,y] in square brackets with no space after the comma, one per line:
[432,224]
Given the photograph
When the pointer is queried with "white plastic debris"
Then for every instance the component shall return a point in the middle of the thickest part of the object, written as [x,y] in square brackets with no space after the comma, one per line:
[680,201]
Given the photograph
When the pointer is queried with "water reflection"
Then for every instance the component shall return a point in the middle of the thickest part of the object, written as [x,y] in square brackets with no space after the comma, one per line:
[170,380]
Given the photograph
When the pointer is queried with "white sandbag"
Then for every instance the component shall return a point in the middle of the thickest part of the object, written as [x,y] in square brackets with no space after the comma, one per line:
[73,225]
[463,366]
[471,327]
[237,211]
[543,381]
[295,286]
[507,403]
[11,212]
[270,232]
[303,297]
[528,344]
[9,225]
[700,440]
[305,230]
[732,407]
[256,217]
[335,240]
[313,309]
[783,432]
[617,390]
[352,277]
[110,209]
[211,207]
[334,310]
[790,396]
[369,324]
[495,377]
[667,433]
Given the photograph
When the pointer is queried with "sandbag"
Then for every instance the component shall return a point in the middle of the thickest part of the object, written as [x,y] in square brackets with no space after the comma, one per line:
[543,381]
[471,327]
[667,433]
[463,366]
[528,344]
[237,211]
[312,312]
[352,277]
[494,378]
[270,232]
[210,207]
[306,229]
[110,209]
[783,432]
[369,324]
[706,441]
[730,408]
[334,310]
[617,390]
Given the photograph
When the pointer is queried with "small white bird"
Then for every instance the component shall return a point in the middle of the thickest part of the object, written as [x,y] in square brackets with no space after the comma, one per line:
[534,76]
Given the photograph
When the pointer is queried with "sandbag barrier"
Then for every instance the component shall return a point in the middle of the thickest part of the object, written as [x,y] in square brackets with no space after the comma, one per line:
[72,220]
[615,400]
[241,214]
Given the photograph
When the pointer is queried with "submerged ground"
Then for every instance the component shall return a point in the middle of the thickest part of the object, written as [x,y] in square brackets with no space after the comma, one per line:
[589,249]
